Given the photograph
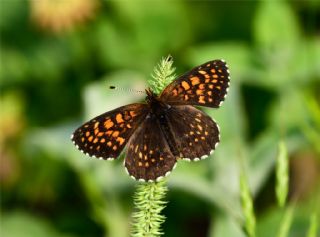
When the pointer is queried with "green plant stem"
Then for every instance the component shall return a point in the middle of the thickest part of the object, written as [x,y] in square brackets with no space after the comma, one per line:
[247,205]
[282,174]
[286,222]
[148,199]
[149,203]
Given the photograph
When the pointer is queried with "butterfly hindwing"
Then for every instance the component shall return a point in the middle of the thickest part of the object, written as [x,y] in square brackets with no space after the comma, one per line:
[205,85]
[148,155]
[106,135]
[195,134]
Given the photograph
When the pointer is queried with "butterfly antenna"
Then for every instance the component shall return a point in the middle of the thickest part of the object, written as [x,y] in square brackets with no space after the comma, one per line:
[125,89]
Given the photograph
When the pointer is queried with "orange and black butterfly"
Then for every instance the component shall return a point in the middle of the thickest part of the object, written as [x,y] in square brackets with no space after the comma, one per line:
[164,129]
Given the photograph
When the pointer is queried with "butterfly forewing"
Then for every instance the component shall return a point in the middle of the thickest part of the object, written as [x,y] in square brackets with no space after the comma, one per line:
[106,135]
[148,156]
[205,85]
[195,134]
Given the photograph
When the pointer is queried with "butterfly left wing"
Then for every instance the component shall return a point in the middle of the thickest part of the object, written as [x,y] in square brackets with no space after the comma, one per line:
[205,85]
[106,135]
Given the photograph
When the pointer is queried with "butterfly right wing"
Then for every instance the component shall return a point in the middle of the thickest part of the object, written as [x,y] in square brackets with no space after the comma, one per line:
[205,85]
[106,135]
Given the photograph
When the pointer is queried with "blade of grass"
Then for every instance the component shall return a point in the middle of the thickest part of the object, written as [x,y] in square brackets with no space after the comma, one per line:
[282,176]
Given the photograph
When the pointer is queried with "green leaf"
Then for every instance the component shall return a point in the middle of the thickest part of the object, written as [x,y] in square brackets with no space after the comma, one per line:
[225,226]
[314,224]
[236,54]
[275,26]
[99,98]
[21,224]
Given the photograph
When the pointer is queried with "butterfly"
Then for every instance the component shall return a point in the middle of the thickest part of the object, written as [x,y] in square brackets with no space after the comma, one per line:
[164,129]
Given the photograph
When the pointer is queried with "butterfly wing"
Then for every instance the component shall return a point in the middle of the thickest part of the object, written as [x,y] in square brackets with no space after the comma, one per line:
[148,156]
[106,135]
[194,133]
[205,85]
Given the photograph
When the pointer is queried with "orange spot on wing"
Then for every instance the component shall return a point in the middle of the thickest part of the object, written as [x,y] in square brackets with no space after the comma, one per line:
[175,92]
[109,143]
[115,133]
[133,114]
[96,124]
[185,85]
[211,86]
[202,86]
[201,99]
[103,140]
[214,81]
[95,140]
[120,140]
[109,132]
[202,72]
[90,138]
[213,70]
[87,134]
[199,92]
[215,76]
[119,118]
[194,80]
[108,124]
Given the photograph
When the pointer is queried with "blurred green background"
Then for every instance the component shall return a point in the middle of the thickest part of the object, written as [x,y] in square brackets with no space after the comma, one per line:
[58,59]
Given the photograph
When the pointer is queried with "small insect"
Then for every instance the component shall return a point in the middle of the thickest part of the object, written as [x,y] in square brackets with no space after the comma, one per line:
[164,129]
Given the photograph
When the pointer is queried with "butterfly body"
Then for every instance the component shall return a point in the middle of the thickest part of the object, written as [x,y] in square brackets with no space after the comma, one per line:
[164,129]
